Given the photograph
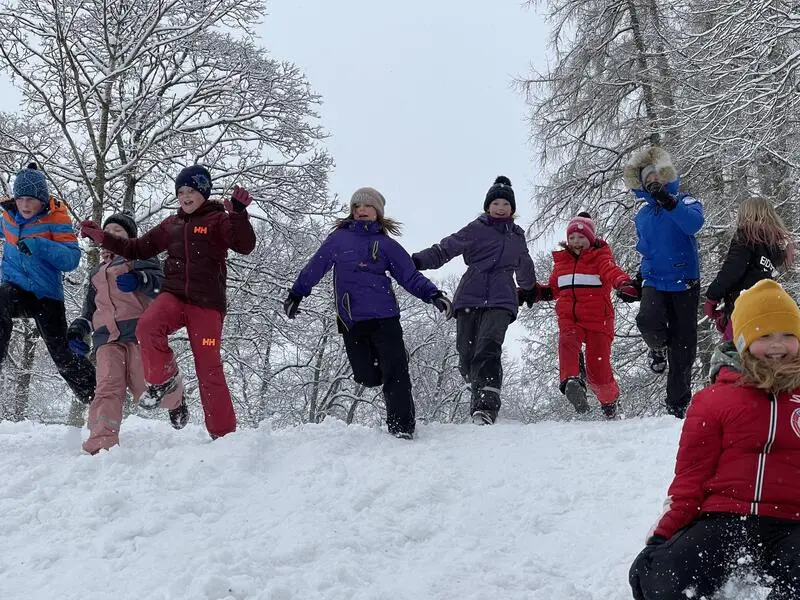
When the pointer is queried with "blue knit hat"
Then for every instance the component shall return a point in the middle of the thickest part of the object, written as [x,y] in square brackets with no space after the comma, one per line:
[196,177]
[30,181]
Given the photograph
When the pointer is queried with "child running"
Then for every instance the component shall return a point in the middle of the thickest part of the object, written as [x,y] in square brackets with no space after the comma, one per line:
[118,293]
[197,240]
[584,272]
[361,252]
[486,301]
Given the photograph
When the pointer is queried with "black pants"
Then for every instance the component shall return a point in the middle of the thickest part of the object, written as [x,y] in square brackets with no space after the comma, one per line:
[479,340]
[51,322]
[704,555]
[670,319]
[377,355]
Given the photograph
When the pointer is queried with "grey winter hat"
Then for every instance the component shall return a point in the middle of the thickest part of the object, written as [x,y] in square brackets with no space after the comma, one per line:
[31,182]
[368,196]
[124,220]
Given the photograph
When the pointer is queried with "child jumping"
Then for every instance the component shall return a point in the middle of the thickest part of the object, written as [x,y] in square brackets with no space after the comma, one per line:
[761,244]
[486,301]
[40,245]
[735,497]
[117,295]
[361,252]
[584,272]
[197,240]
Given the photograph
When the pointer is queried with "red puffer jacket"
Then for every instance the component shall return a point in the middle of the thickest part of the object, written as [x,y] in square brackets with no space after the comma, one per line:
[581,285]
[739,453]
[197,246]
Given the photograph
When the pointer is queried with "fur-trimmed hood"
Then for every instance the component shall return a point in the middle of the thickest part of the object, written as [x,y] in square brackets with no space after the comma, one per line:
[658,158]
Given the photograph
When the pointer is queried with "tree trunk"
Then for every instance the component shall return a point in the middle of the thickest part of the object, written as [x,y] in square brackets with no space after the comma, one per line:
[22,395]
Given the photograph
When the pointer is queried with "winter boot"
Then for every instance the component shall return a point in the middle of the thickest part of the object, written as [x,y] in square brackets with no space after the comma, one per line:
[483,417]
[610,410]
[155,393]
[179,416]
[575,391]
[658,360]
[679,412]
[403,435]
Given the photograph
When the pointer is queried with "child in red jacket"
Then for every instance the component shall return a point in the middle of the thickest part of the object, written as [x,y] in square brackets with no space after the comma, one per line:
[197,240]
[583,274]
[118,293]
[735,497]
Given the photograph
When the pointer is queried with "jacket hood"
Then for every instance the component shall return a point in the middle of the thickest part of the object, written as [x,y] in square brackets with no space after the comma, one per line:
[659,159]
[725,356]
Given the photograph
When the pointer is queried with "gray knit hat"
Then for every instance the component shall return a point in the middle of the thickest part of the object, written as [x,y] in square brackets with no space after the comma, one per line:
[368,196]
[31,182]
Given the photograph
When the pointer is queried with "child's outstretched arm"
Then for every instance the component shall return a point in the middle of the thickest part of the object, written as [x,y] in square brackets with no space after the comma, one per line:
[403,269]
[149,245]
[315,269]
[445,251]
[238,231]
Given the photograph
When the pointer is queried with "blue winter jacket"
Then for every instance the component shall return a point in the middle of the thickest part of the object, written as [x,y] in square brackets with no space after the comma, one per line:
[53,245]
[361,254]
[670,262]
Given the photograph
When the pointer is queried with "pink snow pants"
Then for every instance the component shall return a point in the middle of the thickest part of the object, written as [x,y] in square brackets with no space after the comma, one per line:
[119,368]
[166,315]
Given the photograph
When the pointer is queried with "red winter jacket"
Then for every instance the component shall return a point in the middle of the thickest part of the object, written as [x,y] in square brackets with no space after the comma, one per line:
[739,453]
[581,285]
[197,246]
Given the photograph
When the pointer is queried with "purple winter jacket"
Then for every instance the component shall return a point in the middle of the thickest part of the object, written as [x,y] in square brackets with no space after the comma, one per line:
[360,254]
[494,251]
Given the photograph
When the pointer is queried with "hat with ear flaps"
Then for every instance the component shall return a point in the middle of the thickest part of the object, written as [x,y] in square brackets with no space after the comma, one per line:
[653,160]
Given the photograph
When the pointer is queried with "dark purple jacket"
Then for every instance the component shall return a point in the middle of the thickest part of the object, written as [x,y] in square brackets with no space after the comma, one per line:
[494,250]
[361,254]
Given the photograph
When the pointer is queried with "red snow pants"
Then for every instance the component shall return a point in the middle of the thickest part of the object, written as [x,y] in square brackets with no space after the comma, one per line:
[599,376]
[165,316]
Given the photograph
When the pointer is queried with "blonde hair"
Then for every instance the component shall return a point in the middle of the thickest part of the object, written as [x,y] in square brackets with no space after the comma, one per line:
[388,225]
[759,223]
[770,375]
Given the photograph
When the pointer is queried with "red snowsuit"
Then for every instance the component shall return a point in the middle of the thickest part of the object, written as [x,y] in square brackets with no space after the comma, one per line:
[192,296]
[739,453]
[581,285]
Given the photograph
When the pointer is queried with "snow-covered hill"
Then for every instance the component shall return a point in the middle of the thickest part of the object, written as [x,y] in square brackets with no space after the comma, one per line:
[554,511]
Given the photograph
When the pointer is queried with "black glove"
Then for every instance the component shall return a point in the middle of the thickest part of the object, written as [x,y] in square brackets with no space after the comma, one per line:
[291,305]
[661,196]
[417,263]
[443,303]
[22,246]
[641,565]
[530,296]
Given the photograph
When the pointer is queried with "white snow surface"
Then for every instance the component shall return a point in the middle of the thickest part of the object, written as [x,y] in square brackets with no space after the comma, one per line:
[552,511]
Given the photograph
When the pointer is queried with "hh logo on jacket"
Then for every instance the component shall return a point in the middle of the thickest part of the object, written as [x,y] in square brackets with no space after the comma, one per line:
[200,229]
[209,341]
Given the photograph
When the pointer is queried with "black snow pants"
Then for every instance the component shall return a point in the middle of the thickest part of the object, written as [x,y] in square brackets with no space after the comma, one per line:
[51,321]
[702,556]
[480,333]
[378,356]
[669,319]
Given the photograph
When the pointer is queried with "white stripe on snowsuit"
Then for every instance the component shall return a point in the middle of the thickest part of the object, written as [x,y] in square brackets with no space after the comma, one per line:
[762,459]
[579,279]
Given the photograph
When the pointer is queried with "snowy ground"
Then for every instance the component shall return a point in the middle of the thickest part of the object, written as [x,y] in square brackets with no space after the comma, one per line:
[553,511]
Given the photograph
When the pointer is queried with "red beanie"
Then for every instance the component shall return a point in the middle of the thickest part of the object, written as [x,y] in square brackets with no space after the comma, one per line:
[584,225]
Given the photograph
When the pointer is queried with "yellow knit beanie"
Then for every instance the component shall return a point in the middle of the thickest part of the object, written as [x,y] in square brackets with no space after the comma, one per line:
[763,309]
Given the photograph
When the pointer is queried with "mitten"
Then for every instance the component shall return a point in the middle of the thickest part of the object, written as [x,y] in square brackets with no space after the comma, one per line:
[444,304]
[543,292]
[129,282]
[240,199]
[416,261]
[92,230]
[628,291]
[79,347]
[291,305]
[662,196]
[710,309]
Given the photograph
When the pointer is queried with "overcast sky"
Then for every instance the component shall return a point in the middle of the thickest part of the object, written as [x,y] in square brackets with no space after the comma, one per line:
[417,100]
